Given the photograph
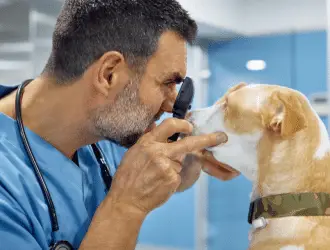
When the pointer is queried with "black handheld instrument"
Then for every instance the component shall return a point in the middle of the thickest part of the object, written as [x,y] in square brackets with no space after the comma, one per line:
[183,102]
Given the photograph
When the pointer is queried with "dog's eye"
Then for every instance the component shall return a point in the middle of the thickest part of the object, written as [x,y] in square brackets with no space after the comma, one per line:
[225,103]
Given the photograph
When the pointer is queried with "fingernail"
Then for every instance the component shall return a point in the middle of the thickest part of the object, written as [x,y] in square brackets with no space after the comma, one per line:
[222,138]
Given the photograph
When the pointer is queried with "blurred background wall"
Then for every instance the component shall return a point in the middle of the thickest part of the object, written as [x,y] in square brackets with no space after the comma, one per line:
[282,42]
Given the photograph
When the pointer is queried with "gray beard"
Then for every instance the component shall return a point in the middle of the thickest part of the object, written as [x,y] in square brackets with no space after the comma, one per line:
[124,121]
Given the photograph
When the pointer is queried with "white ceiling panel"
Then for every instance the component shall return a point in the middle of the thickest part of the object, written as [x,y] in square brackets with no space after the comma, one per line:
[217,19]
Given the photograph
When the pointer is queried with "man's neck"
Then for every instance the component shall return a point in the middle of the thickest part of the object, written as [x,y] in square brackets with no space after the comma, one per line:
[55,113]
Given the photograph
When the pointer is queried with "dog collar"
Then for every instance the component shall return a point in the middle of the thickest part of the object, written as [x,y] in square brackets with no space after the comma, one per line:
[290,204]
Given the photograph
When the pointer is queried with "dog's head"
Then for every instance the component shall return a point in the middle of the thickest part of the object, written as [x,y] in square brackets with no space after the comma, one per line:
[246,113]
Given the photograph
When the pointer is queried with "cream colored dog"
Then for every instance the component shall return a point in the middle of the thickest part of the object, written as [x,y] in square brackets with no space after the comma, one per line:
[277,141]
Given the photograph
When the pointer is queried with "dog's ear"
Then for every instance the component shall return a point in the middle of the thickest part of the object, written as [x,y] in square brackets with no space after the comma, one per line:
[283,114]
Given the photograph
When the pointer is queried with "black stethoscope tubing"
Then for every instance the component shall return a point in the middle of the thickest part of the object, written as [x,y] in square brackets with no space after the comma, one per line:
[52,211]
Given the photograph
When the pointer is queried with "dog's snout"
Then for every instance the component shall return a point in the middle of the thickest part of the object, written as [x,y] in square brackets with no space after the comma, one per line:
[188,116]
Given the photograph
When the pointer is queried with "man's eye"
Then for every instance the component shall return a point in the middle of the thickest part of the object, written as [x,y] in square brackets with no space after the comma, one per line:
[173,81]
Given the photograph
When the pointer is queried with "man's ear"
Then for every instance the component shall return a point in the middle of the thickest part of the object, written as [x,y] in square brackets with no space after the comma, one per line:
[110,73]
[284,115]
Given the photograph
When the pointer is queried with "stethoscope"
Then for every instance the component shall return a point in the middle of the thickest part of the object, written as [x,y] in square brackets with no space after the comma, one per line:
[62,244]
[181,106]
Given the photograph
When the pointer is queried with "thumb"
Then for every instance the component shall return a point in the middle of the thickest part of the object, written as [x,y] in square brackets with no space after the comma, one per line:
[191,170]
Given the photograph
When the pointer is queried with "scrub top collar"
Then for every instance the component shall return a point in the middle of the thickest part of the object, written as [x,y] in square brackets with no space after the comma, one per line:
[48,157]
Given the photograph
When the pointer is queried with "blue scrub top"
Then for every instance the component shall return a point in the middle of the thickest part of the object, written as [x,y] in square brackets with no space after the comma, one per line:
[76,191]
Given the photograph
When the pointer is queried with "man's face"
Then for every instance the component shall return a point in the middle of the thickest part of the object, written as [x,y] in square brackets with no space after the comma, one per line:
[146,97]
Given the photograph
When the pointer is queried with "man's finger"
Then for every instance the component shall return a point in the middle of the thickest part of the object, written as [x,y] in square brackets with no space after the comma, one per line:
[176,166]
[169,127]
[196,143]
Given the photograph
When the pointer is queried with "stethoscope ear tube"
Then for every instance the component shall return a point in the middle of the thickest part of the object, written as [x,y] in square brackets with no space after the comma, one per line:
[26,144]
[59,245]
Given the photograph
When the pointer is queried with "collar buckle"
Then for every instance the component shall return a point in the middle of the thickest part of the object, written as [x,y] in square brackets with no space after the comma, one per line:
[259,223]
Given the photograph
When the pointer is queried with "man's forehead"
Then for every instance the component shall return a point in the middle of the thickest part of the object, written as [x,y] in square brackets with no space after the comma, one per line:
[166,72]
[173,53]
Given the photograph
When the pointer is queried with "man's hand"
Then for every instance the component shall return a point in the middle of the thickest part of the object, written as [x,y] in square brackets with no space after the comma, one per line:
[148,175]
[196,162]
[203,160]
[150,171]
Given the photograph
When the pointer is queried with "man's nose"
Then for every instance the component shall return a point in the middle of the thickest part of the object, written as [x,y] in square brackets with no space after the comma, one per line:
[169,102]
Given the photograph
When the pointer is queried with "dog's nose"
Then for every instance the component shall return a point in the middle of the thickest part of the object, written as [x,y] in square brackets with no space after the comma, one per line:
[188,116]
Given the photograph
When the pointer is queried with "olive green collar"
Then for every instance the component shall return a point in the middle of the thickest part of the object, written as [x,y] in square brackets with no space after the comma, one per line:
[284,205]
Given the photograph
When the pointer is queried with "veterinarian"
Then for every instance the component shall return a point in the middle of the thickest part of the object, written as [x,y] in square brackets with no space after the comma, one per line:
[111,74]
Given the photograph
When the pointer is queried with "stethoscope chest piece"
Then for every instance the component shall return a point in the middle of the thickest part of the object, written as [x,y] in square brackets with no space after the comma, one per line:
[62,245]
